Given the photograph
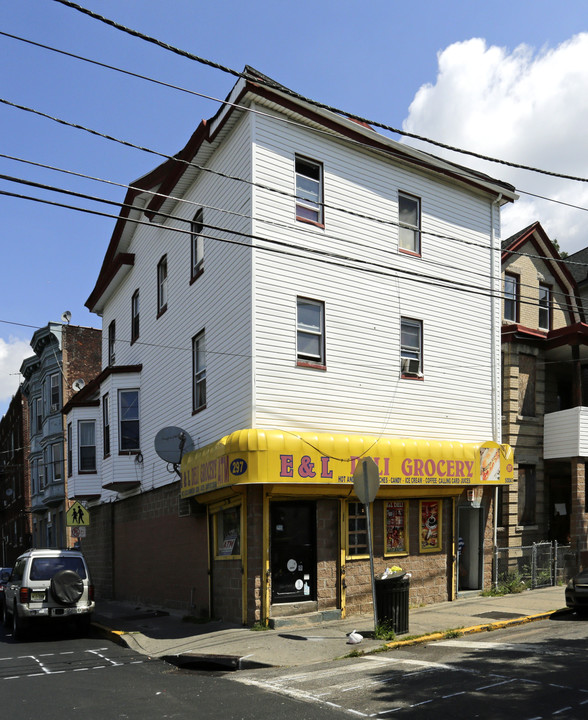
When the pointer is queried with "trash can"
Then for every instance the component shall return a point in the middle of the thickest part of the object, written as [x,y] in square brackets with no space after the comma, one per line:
[392,602]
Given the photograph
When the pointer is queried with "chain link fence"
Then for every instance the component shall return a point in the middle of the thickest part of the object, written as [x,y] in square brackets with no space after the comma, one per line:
[534,566]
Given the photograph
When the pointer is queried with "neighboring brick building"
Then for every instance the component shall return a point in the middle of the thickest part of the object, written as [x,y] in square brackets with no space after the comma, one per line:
[545,394]
[63,355]
[15,518]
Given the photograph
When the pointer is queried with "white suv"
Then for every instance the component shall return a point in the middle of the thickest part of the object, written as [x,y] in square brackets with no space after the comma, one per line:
[48,584]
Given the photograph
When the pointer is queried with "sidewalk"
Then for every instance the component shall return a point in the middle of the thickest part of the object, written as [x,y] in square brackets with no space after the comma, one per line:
[163,634]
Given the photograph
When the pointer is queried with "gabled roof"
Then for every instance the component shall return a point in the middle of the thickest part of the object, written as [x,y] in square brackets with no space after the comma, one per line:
[545,250]
[577,263]
[150,193]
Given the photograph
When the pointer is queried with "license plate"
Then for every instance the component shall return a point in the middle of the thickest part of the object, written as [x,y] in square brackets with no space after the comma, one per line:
[37,595]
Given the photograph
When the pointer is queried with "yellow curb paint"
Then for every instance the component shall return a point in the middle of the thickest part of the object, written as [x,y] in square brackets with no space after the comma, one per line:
[471,630]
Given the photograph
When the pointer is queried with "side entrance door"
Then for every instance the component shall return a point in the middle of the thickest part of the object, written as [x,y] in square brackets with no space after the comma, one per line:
[469,548]
[293,551]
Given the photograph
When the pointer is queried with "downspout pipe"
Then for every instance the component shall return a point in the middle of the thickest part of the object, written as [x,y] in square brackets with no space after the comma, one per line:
[495,363]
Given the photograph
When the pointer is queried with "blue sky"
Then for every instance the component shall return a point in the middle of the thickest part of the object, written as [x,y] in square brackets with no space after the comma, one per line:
[515,93]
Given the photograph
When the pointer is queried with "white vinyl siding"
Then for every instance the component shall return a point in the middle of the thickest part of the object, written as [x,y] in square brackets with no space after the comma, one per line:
[220,301]
[361,391]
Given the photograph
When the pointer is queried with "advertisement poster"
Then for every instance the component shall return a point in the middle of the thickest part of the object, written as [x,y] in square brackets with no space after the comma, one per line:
[430,525]
[396,527]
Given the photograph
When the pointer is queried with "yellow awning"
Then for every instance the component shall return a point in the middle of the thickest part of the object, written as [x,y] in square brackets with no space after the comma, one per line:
[280,456]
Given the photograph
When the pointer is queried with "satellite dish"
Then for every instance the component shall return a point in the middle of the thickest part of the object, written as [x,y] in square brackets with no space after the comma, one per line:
[66,317]
[171,443]
[78,384]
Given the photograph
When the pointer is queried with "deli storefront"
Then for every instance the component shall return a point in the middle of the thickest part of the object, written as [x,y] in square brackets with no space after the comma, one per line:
[287,534]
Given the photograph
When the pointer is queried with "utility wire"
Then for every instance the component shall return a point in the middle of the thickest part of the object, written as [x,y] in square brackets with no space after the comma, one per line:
[291,249]
[268,82]
[233,177]
[221,102]
[570,306]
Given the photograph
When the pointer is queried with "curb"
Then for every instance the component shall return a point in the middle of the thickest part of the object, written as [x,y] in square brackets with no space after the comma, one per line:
[488,627]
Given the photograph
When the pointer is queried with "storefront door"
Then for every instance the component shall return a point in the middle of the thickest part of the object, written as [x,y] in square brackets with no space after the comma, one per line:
[469,548]
[293,551]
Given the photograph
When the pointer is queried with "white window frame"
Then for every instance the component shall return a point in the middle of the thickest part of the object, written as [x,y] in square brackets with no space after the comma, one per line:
[197,244]
[511,297]
[69,450]
[38,415]
[162,285]
[135,316]
[309,190]
[134,448]
[411,354]
[112,343]
[544,319]
[409,233]
[87,470]
[54,392]
[57,461]
[106,425]
[306,330]
[199,372]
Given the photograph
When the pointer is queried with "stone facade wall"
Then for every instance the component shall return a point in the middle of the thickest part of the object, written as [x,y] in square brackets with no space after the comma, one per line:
[431,572]
[525,434]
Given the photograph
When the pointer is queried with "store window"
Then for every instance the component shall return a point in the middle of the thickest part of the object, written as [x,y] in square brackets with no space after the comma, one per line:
[396,527]
[357,538]
[430,517]
[228,532]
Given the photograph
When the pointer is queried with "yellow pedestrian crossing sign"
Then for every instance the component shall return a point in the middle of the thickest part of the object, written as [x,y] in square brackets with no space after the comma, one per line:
[77,516]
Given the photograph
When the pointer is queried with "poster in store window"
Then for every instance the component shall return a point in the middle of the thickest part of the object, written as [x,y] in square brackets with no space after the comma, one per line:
[430,525]
[396,520]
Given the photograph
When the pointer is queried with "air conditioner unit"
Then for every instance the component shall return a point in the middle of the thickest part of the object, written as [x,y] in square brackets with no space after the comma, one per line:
[410,366]
[54,407]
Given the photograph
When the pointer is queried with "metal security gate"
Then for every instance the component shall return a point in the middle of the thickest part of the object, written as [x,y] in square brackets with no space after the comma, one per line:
[533,566]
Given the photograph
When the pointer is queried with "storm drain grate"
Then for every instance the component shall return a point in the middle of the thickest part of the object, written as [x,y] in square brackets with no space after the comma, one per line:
[495,615]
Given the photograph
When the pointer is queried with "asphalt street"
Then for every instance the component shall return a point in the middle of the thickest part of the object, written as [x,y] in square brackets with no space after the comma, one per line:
[53,676]
[531,672]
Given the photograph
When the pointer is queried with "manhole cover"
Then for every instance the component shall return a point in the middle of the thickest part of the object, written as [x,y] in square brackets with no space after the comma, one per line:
[499,615]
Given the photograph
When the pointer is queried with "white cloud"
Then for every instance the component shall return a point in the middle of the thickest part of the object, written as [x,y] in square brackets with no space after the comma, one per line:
[526,106]
[12,353]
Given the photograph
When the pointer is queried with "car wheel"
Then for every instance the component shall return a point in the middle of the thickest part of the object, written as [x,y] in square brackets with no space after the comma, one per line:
[66,587]
[19,626]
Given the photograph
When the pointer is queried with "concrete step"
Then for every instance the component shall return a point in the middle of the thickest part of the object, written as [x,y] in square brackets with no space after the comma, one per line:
[304,619]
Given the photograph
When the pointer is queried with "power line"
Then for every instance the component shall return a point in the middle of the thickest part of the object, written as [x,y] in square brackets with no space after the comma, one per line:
[290,249]
[281,225]
[221,101]
[264,80]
